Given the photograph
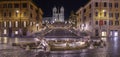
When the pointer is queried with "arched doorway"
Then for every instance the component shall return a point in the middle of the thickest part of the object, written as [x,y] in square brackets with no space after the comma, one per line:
[114,33]
[24,32]
[10,32]
[104,33]
[96,32]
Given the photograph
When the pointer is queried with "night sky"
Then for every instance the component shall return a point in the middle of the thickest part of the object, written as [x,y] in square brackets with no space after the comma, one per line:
[69,5]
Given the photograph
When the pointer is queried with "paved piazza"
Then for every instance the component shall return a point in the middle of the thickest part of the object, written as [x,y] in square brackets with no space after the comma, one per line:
[111,50]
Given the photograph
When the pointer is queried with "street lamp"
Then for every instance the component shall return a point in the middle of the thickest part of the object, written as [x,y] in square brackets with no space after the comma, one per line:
[103,10]
[17,11]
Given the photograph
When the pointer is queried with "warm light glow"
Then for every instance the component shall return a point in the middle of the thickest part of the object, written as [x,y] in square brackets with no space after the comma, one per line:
[10,24]
[111,33]
[44,42]
[5,39]
[53,21]
[16,32]
[104,33]
[16,40]
[16,23]
[31,23]
[80,42]
[65,22]
[103,10]
[5,31]
[37,25]
[0,39]
[115,41]
[104,39]
[17,11]
[24,23]
[36,39]
[115,33]
[82,27]
[5,24]
[86,27]
[61,45]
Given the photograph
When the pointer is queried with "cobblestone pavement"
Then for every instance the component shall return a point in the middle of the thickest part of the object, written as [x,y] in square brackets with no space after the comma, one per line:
[9,51]
[111,50]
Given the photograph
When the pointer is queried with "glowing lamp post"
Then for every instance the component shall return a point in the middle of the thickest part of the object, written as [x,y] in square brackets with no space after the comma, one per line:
[17,11]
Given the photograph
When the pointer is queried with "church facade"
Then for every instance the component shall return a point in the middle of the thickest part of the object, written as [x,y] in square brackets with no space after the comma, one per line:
[58,14]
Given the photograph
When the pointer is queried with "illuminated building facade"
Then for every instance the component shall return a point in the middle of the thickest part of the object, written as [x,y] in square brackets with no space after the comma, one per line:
[73,19]
[100,17]
[19,17]
[58,15]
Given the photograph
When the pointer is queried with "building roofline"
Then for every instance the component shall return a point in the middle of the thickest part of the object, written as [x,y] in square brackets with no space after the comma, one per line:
[81,8]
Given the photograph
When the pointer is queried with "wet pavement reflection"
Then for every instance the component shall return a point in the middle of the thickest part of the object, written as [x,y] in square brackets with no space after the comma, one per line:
[112,49]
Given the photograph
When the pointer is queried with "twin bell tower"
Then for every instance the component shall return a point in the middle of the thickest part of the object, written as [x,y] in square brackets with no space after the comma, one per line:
[58,14]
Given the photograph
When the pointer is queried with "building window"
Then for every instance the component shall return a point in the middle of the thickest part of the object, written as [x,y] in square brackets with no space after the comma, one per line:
[116,22]
[16,14]
[96,13]
[36,11]
[5,24]
[84,10]
[110,15]
[10,24]
[116,15]
[104,33]
[116,5]
[90,15]
[25,14]
[24,5]
[4,5]
[96,22]
[0,25]
[90,6]
[16,23]
[5,31]
[5,14]
[105,4]
[101,22]
[105,14]
[9,5]
[110,5]
[110,22]
[16,5]
[31,15]
[31,7]
[9,14]
[31,23]
[96,32]
[84,19]
[0,5]
[96,4]
[105,22]
[25,23]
